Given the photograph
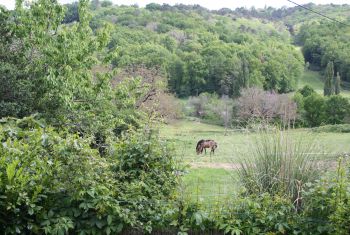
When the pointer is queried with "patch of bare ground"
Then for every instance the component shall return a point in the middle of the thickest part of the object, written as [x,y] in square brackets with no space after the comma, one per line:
[215,165]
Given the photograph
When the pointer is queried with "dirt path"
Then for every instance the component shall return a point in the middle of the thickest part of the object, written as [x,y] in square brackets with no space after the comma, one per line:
[215,165]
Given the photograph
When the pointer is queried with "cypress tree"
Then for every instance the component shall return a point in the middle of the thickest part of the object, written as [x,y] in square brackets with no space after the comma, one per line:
[328,83]
[337,84]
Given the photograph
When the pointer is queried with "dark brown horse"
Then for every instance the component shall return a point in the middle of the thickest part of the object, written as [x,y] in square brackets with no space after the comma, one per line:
[204,144]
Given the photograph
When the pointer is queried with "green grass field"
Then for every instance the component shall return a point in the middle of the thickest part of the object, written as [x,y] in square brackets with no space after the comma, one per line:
[185,135]
[210,177]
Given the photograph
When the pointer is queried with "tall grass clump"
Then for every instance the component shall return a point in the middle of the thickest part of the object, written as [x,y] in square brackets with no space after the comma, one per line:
[279,164]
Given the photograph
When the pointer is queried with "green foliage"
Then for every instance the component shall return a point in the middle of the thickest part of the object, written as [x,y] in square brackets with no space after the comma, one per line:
[326,204]
[53,184]
[16,90]
[51,72]
[306,91]
[199,55]
[144,167]
[314,106]
[316,110]
[337,108]
[71,13]
[56,183]
[263,214]
[329,78]
[324,209]
[326,41]
[211,109]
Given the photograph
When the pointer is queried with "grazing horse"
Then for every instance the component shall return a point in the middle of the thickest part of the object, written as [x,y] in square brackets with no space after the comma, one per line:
[204,144]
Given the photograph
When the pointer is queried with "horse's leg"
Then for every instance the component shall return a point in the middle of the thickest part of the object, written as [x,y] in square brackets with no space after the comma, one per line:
[205,150]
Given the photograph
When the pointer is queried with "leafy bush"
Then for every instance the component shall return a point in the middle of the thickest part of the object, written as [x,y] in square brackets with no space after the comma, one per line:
[314,109]
[54,184]
[263,214]
[306,91]
[337,108]
[144,168]
[326,204]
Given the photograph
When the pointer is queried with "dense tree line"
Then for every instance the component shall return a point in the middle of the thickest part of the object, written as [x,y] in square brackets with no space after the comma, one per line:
[325,42]
[322,40]
[201,51]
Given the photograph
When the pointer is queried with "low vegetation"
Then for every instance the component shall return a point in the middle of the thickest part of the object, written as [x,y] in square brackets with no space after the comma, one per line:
[279,164]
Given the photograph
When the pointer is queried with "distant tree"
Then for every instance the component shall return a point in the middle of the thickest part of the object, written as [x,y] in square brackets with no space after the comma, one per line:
[329,76]
[314,109]
[106,3]
[95,4]
[337,84]
[153,7]
[72,13]
[306,91]
[336,109]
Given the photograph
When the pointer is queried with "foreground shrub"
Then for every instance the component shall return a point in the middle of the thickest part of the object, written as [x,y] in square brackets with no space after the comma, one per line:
[263,214]
[53,184]
[277,164]
[144,167]
[326,203]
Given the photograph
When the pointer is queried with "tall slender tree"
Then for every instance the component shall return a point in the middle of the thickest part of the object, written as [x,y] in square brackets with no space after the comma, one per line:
[337,84]
[329,76]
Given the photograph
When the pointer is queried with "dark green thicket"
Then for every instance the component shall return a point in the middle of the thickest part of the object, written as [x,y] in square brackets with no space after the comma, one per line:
[201,51]
[55,183]
[316,110]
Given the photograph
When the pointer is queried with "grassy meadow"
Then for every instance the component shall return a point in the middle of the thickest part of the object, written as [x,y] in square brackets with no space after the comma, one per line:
[208,177]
